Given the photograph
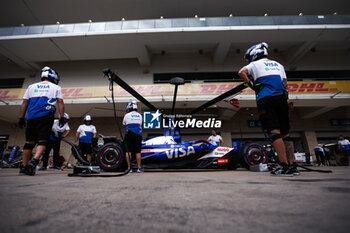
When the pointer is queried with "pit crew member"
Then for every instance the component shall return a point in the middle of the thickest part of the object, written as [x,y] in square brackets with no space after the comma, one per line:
[133,135]
[58,132]
[320,155]
[215,139]
[39,103]
[344,146]
[269,81]
[84,136]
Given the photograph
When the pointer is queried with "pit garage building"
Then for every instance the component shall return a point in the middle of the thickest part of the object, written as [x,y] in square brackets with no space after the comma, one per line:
[148,42]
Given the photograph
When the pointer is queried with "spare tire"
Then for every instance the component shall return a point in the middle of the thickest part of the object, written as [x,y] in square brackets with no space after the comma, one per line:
[110,157]
[253,154]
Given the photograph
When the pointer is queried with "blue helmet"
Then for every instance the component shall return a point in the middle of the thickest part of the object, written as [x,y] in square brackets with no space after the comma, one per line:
[131,106]
[50,74]
[256,52]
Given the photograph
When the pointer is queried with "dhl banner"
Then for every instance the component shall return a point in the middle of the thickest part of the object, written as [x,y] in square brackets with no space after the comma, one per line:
[189,89]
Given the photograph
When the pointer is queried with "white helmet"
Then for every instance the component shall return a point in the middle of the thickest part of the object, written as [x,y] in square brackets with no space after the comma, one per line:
[50,74]
[131,106]
[65,116]
[87,118]
[256,52]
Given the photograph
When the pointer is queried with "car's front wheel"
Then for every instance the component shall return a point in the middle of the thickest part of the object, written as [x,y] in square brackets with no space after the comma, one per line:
[110,157]
[253,154]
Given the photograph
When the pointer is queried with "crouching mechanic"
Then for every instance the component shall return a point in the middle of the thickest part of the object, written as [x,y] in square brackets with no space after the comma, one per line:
[133,135]
[39,102]
[84,135]
[269,82]
[58,132]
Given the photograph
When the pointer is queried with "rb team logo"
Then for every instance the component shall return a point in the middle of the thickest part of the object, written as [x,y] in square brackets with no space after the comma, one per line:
[151,120]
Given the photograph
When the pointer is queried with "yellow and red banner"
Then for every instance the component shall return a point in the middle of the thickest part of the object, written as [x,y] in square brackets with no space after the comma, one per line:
[189,89]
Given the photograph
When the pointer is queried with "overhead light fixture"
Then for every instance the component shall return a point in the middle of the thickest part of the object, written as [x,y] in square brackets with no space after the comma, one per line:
[230,15]
[300,14]
[123,19]
[161,17]
[266,14]
[90,21]
[335,13]
[22,25]
[57,22]
[196,16]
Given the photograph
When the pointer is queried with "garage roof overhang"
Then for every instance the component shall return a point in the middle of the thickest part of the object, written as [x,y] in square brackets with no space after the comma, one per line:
[296,35]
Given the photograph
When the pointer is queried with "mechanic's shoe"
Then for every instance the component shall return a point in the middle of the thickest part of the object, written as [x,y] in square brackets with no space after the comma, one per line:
[42,169]
[129,170]
[58,168]
[30,170]
[31,167]
[275,167]
[140,170]
[22,170]
[295,170]
[282,171]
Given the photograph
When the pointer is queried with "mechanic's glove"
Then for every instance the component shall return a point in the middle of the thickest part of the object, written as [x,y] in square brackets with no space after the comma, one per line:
[255,87]
[22,122]
[61,122]
[249,84]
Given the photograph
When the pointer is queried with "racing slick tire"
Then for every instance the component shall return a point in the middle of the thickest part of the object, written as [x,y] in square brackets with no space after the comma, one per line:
[110,157]
[253,154]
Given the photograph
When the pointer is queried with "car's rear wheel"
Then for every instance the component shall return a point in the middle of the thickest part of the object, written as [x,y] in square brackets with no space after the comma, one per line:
[110,157]
[253,154]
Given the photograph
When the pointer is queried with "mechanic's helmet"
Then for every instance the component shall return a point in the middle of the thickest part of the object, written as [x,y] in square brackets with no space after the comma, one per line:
[131,106]
[66,116]
[256,52]
[87,119]
[50,74]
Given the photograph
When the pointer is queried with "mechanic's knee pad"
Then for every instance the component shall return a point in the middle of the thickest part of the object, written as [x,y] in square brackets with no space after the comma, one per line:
[42,143]
[288,139]
[273,137]
[28,146]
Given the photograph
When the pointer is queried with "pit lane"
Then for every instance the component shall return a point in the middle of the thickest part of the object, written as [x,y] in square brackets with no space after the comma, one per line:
[167,201]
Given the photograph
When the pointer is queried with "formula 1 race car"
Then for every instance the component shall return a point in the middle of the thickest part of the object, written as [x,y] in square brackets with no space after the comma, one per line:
[164,152]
